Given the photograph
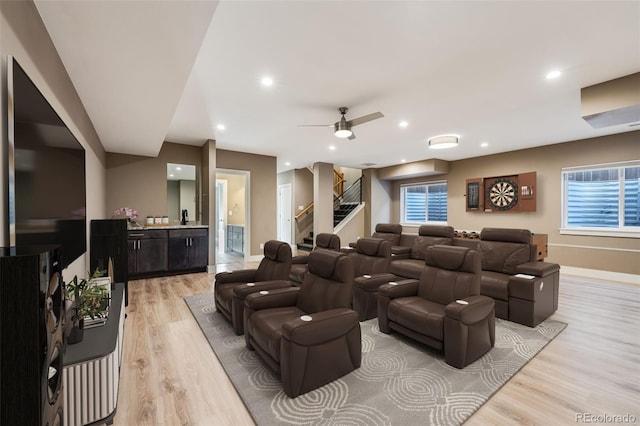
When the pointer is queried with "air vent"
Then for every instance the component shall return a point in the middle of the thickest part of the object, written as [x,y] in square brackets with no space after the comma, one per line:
[368,164]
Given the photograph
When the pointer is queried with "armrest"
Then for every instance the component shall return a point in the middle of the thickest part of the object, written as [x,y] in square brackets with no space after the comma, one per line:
[242,291]
[477,308]
[352,245]
[400,252]
[275,299]
[538,269]
[238,276]
[301,259]
[404,288]
[374,281]
[347,250]
[323,327]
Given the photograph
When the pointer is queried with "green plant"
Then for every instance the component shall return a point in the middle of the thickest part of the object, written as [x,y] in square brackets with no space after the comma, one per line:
[88,300]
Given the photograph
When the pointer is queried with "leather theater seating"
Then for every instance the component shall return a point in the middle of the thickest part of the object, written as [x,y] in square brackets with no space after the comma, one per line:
[386,231]
[408,255]
[308,334]
[273,272]
[444,308]
[525,290]
[371,261]
[299,263]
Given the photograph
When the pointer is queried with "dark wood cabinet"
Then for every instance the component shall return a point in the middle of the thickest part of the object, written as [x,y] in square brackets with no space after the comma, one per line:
[188,249]
[147,251]
[156,252]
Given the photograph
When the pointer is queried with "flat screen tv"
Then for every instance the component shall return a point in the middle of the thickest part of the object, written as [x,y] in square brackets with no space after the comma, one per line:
[47,190]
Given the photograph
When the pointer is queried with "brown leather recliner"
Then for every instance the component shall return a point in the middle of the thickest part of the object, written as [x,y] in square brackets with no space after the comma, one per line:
[387,231]
[408,257]
[308,334]
[299,263]
[444,309]
[371,261]
[273,272]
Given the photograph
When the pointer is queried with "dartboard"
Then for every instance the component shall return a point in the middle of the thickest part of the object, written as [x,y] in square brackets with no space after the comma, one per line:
[502,194]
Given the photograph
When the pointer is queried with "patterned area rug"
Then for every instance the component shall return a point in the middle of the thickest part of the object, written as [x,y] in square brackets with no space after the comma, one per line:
[400,382]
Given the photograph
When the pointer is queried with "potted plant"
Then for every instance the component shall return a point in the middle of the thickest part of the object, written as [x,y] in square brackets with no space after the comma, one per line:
[85,300]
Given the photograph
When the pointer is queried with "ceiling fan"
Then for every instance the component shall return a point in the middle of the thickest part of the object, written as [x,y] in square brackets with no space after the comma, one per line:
[342,128]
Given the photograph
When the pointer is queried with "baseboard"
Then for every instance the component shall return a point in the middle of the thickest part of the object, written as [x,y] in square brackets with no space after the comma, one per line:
[603,275]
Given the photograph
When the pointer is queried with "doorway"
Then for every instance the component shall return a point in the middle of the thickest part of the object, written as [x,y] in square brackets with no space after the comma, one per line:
[231,216]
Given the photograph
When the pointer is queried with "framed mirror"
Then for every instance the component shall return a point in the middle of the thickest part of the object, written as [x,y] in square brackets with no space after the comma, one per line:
[182,192]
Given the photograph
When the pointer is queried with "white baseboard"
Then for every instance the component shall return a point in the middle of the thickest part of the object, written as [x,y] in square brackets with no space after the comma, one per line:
[603,275]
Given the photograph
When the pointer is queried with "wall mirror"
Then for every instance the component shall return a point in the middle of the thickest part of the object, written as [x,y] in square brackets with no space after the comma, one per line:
[182,192]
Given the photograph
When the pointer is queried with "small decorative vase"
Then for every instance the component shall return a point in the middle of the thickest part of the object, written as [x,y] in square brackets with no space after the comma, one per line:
[77,332]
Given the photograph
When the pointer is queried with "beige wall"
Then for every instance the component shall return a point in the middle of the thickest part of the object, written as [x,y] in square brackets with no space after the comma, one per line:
[604,253]
[141,182]
[262,194]
[24,36]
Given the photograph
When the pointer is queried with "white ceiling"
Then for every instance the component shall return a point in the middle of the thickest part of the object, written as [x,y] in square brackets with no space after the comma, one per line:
[154,71]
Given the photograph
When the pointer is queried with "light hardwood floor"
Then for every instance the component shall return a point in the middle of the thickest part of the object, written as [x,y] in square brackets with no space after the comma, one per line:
[170,375]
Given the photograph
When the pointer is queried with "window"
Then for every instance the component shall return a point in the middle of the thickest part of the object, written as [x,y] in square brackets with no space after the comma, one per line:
[602,199]
[424,202]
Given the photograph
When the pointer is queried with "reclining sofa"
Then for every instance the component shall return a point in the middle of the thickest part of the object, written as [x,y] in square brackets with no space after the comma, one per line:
[525,290]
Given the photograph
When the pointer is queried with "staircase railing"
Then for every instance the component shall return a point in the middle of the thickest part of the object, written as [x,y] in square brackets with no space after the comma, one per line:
[350,199]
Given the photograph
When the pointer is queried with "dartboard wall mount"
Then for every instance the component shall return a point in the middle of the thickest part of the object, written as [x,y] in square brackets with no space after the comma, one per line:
[508,194]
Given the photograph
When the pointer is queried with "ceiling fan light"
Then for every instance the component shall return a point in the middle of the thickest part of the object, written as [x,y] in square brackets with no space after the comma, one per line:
[344,133]
[443,141]
[342,130]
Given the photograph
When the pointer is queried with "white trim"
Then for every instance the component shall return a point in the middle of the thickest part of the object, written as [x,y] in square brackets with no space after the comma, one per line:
[594,247]
[630,163]
[603,275]
[604,232]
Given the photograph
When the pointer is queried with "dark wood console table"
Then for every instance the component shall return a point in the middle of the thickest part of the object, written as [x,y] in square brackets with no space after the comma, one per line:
[91,373]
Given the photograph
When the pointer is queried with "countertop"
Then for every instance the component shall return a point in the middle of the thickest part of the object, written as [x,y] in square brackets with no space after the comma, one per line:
[142,228]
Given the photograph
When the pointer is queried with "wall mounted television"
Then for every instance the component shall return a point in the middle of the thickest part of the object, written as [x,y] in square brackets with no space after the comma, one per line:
[47,180]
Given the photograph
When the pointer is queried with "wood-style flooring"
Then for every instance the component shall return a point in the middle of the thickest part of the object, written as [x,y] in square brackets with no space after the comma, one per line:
[170,375]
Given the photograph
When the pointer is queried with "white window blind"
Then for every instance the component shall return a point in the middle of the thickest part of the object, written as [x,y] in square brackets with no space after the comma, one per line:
[602,197]
[422,203]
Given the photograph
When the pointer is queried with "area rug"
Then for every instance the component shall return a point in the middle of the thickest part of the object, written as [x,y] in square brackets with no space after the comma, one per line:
[400,381]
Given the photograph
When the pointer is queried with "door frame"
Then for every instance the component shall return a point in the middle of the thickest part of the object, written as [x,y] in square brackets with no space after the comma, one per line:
[247,206]
[221,206]
[287,210]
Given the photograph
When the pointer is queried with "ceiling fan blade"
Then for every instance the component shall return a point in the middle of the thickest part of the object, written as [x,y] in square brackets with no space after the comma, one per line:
[365,118]
[352,137]
[314,125]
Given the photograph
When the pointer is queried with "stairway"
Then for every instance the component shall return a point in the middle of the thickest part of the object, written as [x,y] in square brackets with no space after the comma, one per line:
[343,211]
[307,243]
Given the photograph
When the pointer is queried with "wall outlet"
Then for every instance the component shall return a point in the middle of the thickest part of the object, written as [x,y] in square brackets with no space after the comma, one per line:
[261,246]
[300,208]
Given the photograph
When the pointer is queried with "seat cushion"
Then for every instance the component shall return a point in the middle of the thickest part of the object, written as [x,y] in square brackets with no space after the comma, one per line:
[495,285]
[418,314]
[265,327]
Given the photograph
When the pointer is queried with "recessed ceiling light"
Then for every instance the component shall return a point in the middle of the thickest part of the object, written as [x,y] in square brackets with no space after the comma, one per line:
[267,81]
[553,74]
[484,144]
[171,175]
[332,147]
[287,163]
[403,124]
[403,161]
[220,127]
[178,168]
